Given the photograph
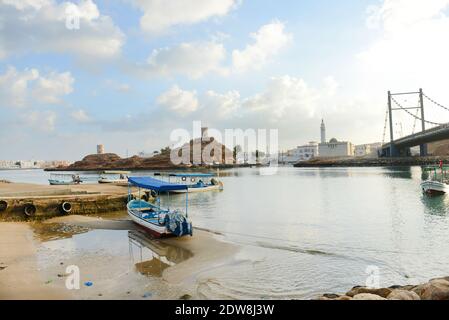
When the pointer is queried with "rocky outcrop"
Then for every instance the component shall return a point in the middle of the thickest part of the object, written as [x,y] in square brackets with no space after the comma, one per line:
[435,289]
[162,161]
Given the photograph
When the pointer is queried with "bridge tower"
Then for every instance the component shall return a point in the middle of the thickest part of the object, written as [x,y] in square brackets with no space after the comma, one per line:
[393,150]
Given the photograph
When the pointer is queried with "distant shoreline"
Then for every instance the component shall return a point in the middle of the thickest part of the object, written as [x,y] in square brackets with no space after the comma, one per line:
[161,168]
[380,162]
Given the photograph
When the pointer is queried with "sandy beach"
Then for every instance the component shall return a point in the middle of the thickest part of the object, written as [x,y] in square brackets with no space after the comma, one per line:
[19,275]
[29,269]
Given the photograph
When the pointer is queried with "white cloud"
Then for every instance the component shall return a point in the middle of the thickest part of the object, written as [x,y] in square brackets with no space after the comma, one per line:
[80,116]
[49,89]
[179,101]
[21,88]
[40,26]
[225,104]
[190,59]
[161,15]
[285,94]
[43,121]
[268,41]
[14,86]
[411,51]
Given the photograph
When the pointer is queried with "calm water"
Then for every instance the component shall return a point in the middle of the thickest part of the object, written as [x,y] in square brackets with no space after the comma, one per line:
[311,231]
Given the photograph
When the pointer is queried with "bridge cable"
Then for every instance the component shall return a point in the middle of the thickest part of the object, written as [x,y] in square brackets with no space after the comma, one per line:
[385,126]
[416,117]
[436,103]
[414,123]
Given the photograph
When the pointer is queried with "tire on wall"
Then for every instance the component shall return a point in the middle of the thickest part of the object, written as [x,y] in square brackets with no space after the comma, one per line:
[29,210]
[65,208]
[3,205]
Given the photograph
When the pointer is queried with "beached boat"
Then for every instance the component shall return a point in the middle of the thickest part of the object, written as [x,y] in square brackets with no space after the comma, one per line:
[437,184]
[195,182]
[114,177]
[60,179]
[160,222]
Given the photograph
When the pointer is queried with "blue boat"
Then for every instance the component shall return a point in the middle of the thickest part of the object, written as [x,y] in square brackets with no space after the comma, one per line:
[195,182]
[158,221]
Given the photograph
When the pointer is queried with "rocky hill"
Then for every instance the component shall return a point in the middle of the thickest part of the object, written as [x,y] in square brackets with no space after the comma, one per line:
[111,161]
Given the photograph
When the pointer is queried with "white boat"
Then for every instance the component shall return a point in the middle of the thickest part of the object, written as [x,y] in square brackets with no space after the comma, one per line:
[195,182]
[158,221]
[434,187]
[114,177]
[64,179]
[438,184]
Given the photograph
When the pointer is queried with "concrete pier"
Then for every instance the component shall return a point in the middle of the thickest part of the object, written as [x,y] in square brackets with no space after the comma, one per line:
[20,201]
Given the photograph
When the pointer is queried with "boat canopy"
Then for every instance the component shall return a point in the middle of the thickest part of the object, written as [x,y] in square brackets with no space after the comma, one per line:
[154,184]
[187,175]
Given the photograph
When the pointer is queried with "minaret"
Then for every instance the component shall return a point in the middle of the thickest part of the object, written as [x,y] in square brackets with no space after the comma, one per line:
[323,132]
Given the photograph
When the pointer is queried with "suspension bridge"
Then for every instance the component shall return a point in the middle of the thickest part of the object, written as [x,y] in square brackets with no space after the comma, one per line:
[431,131]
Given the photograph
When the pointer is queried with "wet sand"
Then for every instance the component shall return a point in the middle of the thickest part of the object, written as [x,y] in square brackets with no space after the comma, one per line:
[25,278]
[19,275]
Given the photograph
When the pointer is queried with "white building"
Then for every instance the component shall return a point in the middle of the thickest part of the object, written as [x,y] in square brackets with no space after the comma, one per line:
[334,148]
[301,153]
[367,150]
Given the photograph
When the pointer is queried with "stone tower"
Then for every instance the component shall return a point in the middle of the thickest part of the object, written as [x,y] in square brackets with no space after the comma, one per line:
[323,132]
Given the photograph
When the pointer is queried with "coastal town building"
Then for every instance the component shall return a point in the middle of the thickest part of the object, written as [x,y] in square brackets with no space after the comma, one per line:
[301,153]
[334,148]
[367,150]
[31,164]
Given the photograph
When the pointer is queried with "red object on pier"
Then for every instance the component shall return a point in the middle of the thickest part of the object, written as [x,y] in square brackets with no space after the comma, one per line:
[441,164]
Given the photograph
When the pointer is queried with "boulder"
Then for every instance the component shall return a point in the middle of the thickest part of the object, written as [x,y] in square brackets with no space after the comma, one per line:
[382,292]
[367,296]
[344,298]
[399,294]
[437,289]
[331,296]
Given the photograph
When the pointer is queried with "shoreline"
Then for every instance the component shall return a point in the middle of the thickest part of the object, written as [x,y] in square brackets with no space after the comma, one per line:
[21,277]
[369,163]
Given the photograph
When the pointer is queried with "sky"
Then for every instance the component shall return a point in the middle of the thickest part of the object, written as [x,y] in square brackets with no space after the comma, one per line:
[126,73]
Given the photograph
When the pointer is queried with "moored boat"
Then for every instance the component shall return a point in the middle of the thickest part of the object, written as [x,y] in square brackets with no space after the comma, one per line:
[437,184]
[195,182]
[160,222]
[114,177]
[59,179]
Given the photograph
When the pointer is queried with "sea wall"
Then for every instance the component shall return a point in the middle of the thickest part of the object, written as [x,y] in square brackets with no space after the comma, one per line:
[375,162]
[20,209]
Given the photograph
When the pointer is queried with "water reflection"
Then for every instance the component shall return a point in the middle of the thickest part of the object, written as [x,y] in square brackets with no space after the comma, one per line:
[437,206]
[55,231]
[398,172]
[151,257]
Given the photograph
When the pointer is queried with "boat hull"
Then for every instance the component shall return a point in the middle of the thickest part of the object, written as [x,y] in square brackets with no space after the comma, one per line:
[155,230]
[434,188]
[200,189]
[61,183]
[120,182]
[158,222]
